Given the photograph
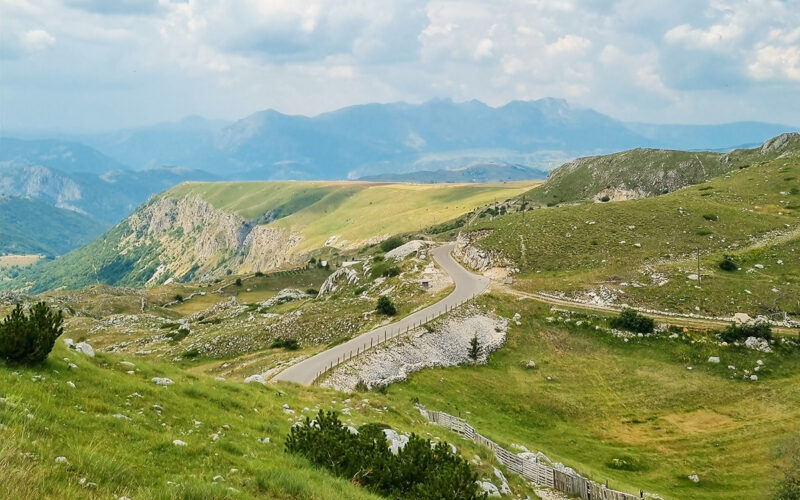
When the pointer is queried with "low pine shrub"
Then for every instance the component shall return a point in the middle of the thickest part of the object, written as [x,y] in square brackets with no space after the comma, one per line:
[391,243]
[632,321]
[421,470]
[385,306]
[734,332]
[30,337]
[727,264]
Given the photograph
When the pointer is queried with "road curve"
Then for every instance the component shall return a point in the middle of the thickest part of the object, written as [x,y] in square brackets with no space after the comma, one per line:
[467,286]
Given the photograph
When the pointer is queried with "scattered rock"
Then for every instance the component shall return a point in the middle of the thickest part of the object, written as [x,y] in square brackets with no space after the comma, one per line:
[162,381]
[488,488]
[694,478]
[396,441]
[178,442]
[257,378]
[61,460]
[84,348]
[713,359]
[758,344]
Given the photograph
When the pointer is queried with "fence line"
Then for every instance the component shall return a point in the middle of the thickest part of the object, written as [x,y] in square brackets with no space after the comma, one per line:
[533,470]
[386,337]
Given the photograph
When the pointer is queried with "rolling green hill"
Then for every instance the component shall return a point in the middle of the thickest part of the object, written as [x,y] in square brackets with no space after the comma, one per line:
[207,230]
[32,227]
[629,248]
[641,173]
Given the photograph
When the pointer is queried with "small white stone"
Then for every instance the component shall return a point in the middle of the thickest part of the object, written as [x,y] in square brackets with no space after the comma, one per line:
[61,460]
[71,384]
[178,442]
[694,478]
[162,381]
[713,359]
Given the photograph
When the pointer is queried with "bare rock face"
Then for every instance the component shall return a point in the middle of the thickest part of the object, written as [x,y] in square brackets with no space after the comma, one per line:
[344,275]
[474,257]
[189,235]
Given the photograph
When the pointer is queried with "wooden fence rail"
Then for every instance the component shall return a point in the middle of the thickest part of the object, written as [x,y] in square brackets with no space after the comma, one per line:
[533,470]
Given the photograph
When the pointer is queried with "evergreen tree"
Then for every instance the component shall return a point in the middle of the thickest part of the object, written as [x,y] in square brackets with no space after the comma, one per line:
[474,349]
[30,337]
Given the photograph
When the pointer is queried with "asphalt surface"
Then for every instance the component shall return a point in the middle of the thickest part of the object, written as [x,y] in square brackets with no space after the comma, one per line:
[467,285]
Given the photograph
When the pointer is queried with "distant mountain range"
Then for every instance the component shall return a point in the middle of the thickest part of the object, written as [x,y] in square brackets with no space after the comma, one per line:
[373,139]
[106,176]
[476,172]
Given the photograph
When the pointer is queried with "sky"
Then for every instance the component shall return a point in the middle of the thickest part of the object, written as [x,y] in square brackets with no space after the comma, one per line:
[92,65]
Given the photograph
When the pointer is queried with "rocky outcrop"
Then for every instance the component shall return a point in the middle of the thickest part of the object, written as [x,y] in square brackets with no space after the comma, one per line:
[194,239]
[342,276]
[406,249]
[447,345]
[471,255]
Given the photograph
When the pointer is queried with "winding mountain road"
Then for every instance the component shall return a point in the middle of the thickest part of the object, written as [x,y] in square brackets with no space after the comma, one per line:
[467,286]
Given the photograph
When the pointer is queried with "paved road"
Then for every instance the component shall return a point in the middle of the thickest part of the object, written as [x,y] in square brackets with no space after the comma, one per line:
[467,286]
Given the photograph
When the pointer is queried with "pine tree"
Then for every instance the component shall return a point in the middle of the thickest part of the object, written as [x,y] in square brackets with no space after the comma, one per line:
[474,349]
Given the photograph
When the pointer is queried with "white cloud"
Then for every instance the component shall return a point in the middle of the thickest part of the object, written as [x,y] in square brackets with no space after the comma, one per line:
[36,40]
[776,63]
[227,58]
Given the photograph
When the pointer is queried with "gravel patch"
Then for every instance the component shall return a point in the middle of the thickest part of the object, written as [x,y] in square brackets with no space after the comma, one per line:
[447,345]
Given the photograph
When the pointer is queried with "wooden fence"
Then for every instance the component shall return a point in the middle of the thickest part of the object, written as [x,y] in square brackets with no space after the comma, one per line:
[531,469]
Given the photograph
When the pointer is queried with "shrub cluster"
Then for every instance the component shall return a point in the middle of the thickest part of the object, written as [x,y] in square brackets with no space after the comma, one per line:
[728,264]
[30,337]
[734,332]
[632,321]
[391,243]
[288,344]
[385,268]
[420,470]
[385,306]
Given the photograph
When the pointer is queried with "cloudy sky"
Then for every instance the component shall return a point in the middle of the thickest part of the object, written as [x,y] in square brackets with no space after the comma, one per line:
[104,64]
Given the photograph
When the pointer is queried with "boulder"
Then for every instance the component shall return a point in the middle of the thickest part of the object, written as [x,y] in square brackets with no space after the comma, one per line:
[713,359]
[84,348]
[178,442]
[344,274]
[488,488]
[758,344]
[396,441]
[742,318]
[257,378]
[162,381]
[406,249]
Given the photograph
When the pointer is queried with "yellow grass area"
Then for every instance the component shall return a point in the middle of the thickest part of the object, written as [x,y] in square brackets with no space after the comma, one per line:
[348,214]
[19,260]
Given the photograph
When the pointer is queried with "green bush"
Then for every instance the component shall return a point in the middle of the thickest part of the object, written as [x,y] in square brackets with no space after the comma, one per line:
[421,470]
[391,243]
[605,198]
[238,282]
[727,264]
[31,337]
[734,332]
[288,344]
[386,268]
[385,306]
[632,321]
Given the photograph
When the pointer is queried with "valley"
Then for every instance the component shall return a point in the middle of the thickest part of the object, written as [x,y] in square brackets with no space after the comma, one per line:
[203,306]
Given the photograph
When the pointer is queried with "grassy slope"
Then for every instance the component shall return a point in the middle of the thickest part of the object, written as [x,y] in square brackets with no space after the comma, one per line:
[649,171]
[136,457]
[574,247]
[355,211]
[31,227]
[628,400]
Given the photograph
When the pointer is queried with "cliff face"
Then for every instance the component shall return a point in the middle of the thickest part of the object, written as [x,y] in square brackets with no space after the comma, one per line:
[191,237]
